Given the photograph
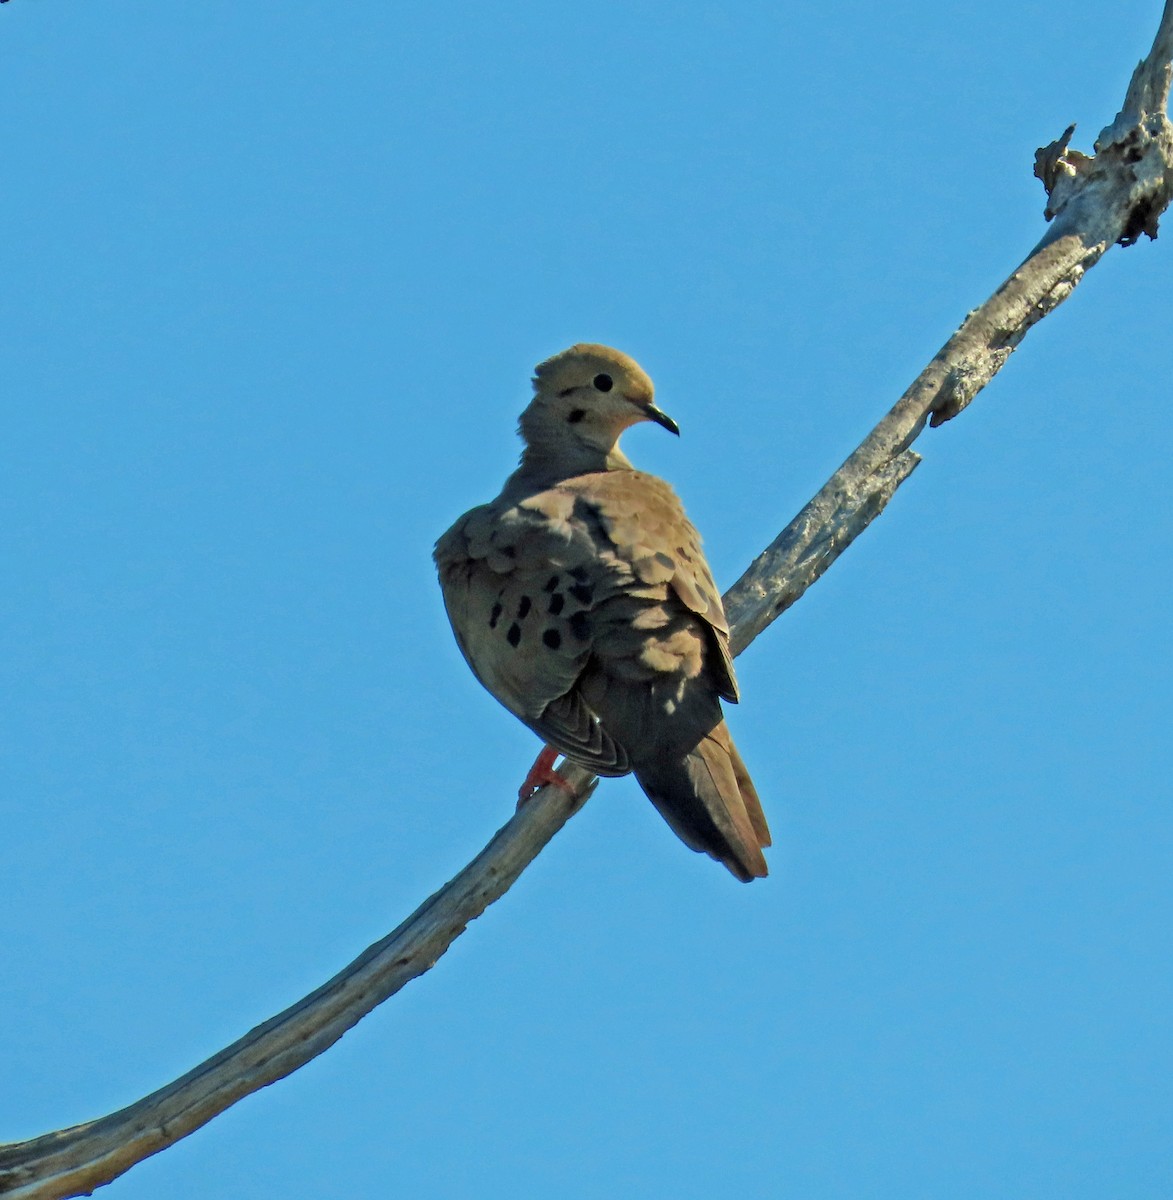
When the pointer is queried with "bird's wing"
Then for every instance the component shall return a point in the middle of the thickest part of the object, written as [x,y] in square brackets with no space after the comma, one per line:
[519,583]
[646,527]
[659,665]
[601,572]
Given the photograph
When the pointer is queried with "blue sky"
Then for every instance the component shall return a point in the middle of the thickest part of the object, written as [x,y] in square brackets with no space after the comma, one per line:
[275,276]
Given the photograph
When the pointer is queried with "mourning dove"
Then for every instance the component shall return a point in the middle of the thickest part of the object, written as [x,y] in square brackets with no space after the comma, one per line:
[582,601]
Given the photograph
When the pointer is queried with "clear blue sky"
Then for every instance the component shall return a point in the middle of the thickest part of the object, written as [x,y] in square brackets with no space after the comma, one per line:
[274,276]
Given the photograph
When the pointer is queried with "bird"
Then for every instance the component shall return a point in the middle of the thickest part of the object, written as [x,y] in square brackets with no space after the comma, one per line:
[582,601]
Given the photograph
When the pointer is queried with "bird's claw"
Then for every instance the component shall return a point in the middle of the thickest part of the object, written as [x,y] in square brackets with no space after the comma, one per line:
[542,773]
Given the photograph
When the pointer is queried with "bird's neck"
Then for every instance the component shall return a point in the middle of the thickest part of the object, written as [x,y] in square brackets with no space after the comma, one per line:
[544,466]
[551,453]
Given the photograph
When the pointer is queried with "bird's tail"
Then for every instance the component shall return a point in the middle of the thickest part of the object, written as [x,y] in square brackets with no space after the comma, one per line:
[710,801]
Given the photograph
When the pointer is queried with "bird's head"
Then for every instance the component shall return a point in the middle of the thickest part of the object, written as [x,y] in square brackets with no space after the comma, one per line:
[585,397]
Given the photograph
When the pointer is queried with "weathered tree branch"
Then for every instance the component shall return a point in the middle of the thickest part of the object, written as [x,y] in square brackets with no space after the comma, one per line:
[1094,202]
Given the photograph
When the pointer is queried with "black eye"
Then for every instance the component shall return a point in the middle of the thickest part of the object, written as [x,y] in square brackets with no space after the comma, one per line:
[603,383]
[575,415]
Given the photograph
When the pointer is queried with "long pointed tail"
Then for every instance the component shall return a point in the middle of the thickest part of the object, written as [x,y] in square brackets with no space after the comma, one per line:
[710,801]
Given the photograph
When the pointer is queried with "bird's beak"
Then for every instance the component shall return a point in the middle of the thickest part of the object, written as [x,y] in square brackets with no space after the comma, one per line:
[662,418]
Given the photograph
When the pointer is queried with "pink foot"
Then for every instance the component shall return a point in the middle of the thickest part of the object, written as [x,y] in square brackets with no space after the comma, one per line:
[541,773]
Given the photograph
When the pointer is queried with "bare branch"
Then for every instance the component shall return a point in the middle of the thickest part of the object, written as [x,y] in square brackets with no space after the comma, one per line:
[1094,202]
[73,1161]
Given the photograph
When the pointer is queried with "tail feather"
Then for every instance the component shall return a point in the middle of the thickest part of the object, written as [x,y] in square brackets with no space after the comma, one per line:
[749,794]
[708,799]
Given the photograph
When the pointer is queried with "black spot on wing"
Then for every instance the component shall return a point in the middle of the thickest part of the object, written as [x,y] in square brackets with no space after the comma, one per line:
[552,638]
[513,637]
[524,607]
[557,603]
[495,616]
[583,593]
[580,626]
[551,583]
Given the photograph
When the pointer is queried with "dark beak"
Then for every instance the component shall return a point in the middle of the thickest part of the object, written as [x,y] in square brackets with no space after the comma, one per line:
[662,418]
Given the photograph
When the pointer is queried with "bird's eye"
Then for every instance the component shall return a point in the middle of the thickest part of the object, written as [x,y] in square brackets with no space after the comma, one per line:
[603,383]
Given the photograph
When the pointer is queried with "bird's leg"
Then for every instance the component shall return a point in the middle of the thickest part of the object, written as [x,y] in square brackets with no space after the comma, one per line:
[541,773]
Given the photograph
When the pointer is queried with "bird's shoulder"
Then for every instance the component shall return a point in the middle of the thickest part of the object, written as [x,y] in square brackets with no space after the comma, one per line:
[646,524]
[627,528]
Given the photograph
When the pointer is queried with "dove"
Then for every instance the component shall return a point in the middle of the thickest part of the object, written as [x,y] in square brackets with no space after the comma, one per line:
[582,601]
